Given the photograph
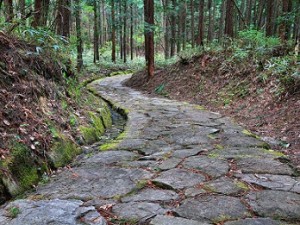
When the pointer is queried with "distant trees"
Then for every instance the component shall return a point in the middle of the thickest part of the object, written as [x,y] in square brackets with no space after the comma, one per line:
[179,24]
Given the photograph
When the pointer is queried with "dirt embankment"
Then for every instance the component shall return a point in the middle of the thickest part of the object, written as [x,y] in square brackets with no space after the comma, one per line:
[35,131]
[265,102]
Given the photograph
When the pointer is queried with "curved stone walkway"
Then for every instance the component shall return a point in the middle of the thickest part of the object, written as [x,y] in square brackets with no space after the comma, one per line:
[177,165]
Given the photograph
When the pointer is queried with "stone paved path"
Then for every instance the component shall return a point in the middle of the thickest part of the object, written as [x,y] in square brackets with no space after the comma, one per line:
[175,159]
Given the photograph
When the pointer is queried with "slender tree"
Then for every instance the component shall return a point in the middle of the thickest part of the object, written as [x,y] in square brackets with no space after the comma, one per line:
[201,24]
[229,18]
[192,23]
[113,31]
[269,17]
[96,32]
[149,36]
[78,34]
[173,28]
[38,4]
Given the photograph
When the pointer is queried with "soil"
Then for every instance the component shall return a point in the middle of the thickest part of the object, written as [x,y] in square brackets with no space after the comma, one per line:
[256,99]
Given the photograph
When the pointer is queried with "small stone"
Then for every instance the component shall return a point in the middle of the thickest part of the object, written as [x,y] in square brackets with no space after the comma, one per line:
[263,165]
[275,204]
[169,164]
[137,210]
[178,178]
[168,220]
[152,195]
[211,166]
[273,182]
[212,208]
[192,192]
[224,186]
[255,221]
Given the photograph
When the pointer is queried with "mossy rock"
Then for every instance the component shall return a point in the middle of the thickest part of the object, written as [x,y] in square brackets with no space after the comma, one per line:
[22,171]
[63,151]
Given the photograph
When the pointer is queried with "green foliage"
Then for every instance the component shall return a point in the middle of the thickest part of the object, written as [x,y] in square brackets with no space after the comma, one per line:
[14,212]
[254,38]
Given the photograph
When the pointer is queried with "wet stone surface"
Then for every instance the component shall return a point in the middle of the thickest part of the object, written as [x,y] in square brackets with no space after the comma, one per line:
[174,159]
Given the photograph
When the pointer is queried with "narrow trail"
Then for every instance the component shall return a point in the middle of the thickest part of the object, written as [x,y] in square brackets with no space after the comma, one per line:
[175,159]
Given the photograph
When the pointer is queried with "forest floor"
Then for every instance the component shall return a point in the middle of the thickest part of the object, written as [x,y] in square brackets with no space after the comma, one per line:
[255,99]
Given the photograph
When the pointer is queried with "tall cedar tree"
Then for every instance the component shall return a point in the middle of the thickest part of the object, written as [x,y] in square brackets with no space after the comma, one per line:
[78,34]
[229,18]
[200,24]
[96,32]
[149,36]
[63,18]
[113,31]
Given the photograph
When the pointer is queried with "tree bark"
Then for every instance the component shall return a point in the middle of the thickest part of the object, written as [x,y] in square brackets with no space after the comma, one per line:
[125,32]
[200,24]
[131,31]
[113,32]
[229,19]
[96,32]
[221,21]
[210,21]
[269,17]
[173,28]
[78,34]
[166,29]
[283,24]
[192,23]
[149,36]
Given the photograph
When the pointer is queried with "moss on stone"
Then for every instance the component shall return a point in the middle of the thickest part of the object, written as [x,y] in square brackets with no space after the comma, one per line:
[275,153]
[109,146]
[250,134]
[90,135]
[241,185]
[199,107]
[106,116]
[63,151]
[22,169]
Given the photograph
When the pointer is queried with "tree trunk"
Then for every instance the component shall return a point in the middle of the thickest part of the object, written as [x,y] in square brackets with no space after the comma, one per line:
[261,7]
[210,21]
[78,34]
[200,24]
[63,18]
[37,13]
[229,19]
[96,33]
[179,28]
[221,21]
[113,32]
[125,32]
[45,12]
[120,30]
[248,13]
[296,32]
[183,26]
[269,17]
[131,31]
[166,28]
[9,12]
[192,23]
[173,28]
[149,36]
[283,24]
